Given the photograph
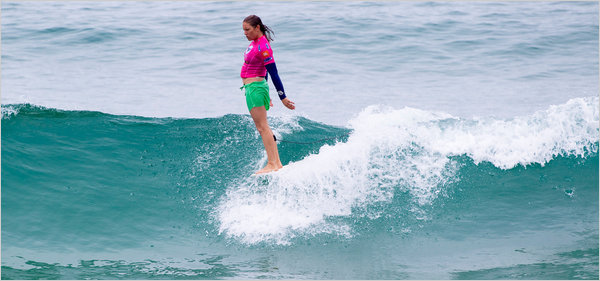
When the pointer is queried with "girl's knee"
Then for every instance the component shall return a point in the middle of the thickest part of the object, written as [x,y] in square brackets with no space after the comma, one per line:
[263,129]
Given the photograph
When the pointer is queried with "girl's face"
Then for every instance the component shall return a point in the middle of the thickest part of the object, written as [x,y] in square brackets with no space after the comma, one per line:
[252,33]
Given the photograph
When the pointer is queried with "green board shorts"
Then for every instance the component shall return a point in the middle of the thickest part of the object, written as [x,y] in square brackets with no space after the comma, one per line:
[257,94]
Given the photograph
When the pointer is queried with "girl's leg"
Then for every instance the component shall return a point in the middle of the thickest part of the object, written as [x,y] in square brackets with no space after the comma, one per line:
[259,115]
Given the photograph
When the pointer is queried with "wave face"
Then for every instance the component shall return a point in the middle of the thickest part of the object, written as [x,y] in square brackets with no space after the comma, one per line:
[398,194]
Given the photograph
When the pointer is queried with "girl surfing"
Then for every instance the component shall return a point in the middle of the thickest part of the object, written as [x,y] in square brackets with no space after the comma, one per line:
[258,64]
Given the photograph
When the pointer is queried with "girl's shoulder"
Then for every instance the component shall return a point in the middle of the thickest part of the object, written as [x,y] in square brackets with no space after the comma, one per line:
[263,40]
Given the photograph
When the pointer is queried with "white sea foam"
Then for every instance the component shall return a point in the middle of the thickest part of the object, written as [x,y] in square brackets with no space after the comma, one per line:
[9,111]
[389,150]
[285,124]
[567,129]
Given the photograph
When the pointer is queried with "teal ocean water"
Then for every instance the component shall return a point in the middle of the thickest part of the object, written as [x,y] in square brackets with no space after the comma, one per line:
[407,194]
[432,140]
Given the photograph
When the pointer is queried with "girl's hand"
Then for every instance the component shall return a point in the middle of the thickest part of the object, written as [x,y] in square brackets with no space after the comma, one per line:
[288,103]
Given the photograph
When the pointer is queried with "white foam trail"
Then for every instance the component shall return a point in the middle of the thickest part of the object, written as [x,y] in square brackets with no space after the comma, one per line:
[407,150]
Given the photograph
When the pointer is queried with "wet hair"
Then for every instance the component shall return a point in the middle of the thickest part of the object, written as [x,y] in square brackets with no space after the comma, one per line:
[254,20]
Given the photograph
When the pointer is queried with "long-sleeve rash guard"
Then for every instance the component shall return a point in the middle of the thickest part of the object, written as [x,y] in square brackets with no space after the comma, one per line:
[258,59]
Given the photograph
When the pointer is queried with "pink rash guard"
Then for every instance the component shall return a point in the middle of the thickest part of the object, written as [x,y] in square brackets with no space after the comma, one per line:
[258,54]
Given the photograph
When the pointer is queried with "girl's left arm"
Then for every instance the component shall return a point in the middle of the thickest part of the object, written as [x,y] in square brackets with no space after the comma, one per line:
[272,69]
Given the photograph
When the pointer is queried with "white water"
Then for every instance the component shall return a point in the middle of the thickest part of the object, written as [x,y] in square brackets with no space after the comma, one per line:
[392,150]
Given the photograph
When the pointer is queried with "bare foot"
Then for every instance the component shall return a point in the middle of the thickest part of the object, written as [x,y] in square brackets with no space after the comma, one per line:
[269,168]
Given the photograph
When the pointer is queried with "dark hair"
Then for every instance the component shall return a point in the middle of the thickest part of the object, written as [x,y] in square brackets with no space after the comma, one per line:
[254,20]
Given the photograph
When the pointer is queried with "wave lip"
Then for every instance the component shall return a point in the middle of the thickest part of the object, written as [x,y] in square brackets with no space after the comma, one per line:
[396,153]
[567,129]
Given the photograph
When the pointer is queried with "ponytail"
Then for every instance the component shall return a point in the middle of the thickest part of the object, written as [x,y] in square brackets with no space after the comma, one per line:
[254,20]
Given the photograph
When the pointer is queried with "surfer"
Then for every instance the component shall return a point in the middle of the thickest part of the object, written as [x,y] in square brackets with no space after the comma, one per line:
[258,64]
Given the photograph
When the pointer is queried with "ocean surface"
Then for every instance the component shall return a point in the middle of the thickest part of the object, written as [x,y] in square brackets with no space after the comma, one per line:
[431,140]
